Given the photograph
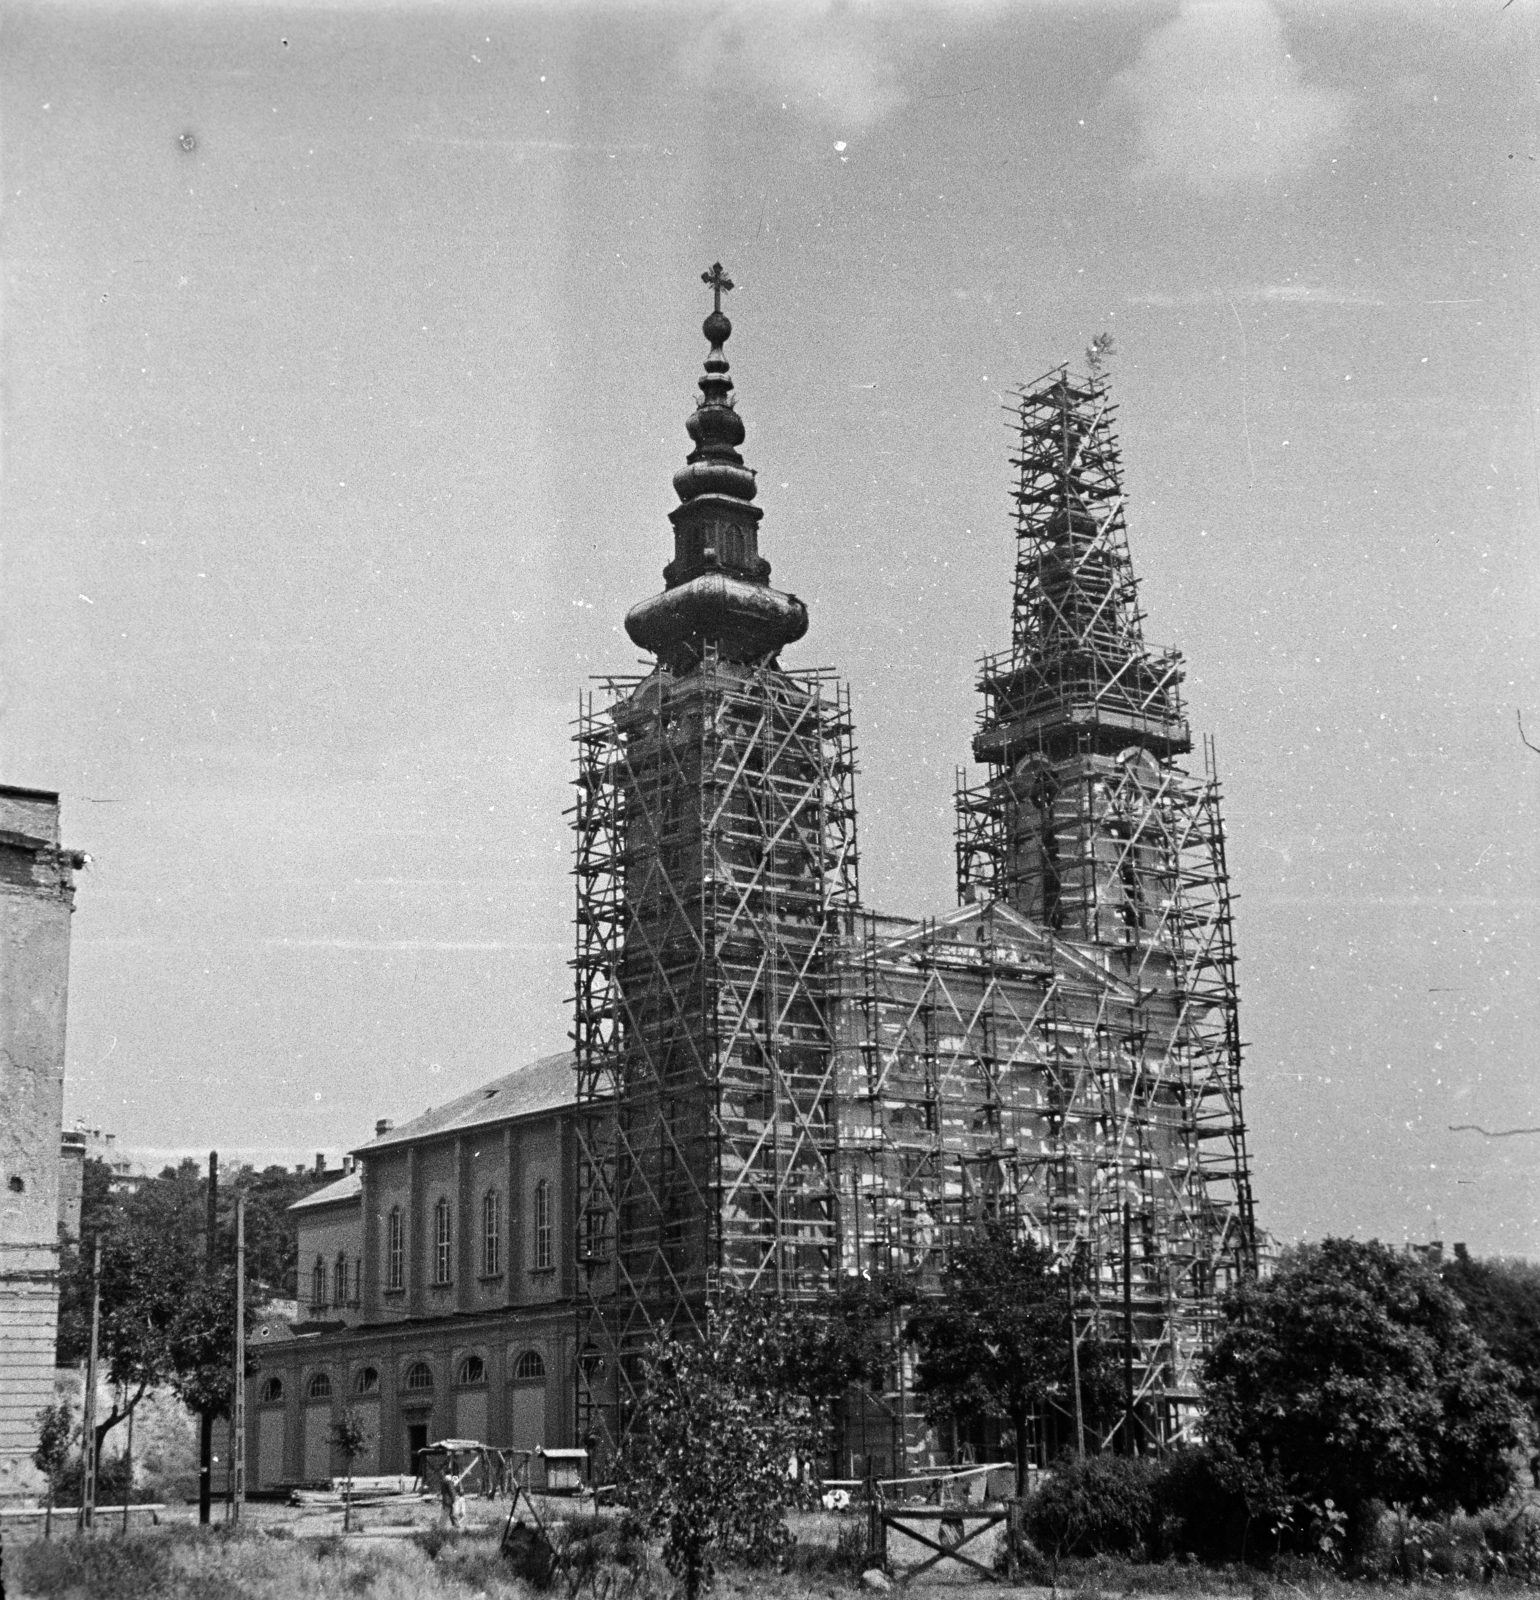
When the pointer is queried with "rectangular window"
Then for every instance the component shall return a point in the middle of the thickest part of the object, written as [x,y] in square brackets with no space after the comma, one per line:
[543,1253]
[395,1256]
[491,1235]
[443,1243]
[340,1281]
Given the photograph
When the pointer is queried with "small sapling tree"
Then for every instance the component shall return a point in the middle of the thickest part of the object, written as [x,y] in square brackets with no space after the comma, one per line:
[55,1435]
[707,1460]
[350,1438]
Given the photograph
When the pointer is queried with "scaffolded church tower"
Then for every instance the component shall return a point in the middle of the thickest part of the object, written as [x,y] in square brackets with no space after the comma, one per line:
[716,869]
[1060,1054]
[1091,830]
[779,1089]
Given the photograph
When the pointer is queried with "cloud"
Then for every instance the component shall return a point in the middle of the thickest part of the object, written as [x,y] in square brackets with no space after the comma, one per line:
[827,58]
[1222,103]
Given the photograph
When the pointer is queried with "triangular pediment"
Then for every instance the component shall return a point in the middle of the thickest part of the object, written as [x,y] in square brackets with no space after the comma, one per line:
[992,929]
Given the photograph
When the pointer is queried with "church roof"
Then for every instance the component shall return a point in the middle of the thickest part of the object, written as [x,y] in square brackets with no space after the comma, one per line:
[544,1085]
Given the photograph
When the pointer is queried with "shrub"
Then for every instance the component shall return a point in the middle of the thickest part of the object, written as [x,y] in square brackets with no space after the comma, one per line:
[1093,1505]
[528,1555]
[111,1480]
[1199,1510]
[431,1540]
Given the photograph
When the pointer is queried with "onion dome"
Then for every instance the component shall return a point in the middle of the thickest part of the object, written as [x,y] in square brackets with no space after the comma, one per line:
[718,583]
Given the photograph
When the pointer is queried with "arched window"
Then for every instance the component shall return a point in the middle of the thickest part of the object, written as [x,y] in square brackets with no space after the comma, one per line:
[418,1376]
[473,1370]
[395,1254]
[491,1234]
[340,1280]
[318,1285]
[530,1365]
[367,1381]
[443,1242]
[544,1256]
[272,1391]
[319,1388]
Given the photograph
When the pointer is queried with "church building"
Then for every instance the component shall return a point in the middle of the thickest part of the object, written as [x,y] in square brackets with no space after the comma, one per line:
[775,1088]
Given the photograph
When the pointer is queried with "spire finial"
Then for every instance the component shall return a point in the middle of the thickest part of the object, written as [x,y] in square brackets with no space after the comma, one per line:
[718,282]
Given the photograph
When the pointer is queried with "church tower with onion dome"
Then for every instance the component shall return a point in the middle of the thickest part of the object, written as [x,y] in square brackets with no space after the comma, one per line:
[716,873]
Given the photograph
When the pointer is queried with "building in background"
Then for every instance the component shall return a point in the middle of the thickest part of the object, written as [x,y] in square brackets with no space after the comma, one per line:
[36,898]
[435,1289]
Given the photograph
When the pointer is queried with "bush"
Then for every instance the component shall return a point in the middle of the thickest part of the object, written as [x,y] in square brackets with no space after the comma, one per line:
[1198,1511]
[111,1480]
[528,1555]
[1093,1505]
[607,1556]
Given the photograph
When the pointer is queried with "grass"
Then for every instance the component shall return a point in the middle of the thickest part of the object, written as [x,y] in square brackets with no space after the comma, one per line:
[210,1564]
[269,1563]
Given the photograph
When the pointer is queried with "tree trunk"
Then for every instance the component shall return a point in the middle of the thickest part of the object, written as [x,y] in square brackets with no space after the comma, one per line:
[1021,1422]
[205,1465]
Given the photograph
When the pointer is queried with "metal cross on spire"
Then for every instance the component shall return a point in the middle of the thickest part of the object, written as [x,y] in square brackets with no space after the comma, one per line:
[718,282]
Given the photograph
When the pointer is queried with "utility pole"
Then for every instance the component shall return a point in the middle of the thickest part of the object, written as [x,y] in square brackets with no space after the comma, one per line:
[1128,1333]
[238,1377]
[1074,1367]
[206,1418]
[88,1420]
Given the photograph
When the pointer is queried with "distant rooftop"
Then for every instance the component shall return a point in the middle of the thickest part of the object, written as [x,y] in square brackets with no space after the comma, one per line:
[348,1187]
[544,1085]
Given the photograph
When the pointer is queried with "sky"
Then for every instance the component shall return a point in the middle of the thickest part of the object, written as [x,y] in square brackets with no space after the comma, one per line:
[346,355]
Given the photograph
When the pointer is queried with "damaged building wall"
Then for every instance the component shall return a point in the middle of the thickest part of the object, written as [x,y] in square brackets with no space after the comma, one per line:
[36,897]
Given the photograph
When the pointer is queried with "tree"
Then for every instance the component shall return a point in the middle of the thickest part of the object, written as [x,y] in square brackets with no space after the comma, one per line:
[350,1436]
[708,1455]
[812,1352]
[996,1345]
[1352,1375]
[55,1436]
[1502,1303]
[165,1320]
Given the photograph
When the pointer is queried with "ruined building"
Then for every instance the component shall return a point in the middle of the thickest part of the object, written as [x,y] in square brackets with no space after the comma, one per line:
[36,896]
[777,1088]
